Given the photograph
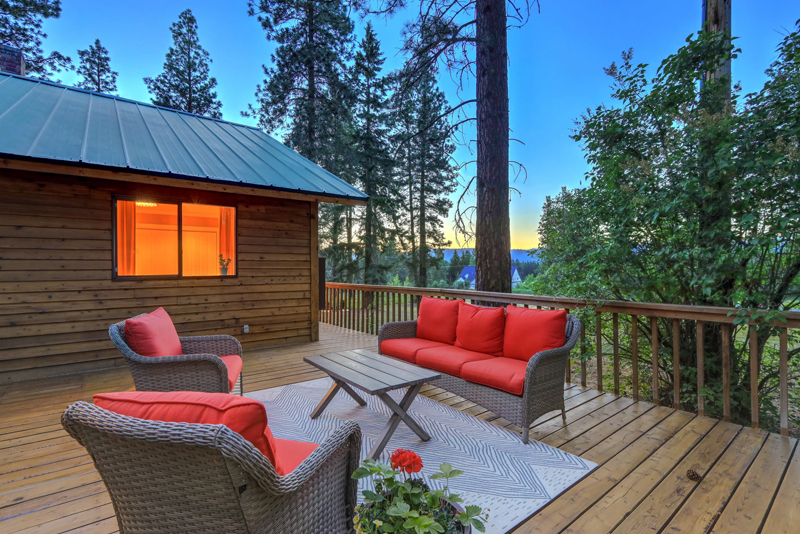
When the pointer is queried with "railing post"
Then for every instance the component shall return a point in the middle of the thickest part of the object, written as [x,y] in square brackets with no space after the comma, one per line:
[754,376]
[583,355]
[635,356]
[655,347]
[701,368]
[726,372]
[598,336]
[676,364]
[615,327]
[784,381]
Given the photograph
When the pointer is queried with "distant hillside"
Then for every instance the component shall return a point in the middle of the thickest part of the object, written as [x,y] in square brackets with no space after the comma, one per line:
[517,254]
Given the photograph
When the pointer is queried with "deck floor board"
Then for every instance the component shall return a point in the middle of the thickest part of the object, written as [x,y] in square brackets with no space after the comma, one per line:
[752,479]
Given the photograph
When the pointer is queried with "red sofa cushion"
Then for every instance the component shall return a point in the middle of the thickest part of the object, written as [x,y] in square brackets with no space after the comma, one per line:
[507,374]
[153,335]
[448,359]
[481,329]
[407,348]
[291,454]
[234,365]
[437,319]
[532,331]
[246,417]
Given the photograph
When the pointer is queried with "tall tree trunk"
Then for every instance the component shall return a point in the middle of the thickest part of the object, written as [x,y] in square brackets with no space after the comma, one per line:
[492,228]
[311,76]
[414,263]
[423,231]
[717,18]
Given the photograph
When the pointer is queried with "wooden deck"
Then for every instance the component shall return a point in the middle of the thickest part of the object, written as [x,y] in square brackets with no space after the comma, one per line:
[751,479]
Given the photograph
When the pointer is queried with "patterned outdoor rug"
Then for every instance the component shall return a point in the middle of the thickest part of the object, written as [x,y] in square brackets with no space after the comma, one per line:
[511,479]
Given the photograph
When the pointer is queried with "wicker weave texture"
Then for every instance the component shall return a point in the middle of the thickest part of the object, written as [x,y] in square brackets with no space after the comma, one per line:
[544,379]
[199,368]
[193,478]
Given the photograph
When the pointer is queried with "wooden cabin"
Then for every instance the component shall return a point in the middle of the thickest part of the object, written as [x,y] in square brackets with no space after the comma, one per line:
[110,208]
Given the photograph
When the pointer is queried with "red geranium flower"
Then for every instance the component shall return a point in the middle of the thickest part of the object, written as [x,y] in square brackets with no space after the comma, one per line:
[408,461]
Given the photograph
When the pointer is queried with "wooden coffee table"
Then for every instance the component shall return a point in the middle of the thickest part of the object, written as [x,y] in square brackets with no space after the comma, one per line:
[376,375]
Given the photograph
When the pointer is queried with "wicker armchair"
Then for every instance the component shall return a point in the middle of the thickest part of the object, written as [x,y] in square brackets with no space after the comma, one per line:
[544,380]
[199,368]
[194,478]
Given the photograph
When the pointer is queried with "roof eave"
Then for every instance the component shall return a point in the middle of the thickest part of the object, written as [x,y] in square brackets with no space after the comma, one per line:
[91,170]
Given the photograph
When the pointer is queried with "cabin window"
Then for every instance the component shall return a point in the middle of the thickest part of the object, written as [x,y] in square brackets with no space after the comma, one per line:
[156,238]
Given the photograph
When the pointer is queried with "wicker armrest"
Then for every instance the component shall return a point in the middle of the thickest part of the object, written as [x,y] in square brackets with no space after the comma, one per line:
[195,372]
[220,345]
[344,445]
[398,330]
[548,362]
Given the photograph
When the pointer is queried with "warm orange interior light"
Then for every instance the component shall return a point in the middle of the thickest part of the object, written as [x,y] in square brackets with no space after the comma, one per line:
[147,239]
[209,240]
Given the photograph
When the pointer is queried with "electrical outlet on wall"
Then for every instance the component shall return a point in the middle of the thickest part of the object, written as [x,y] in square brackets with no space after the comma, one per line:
[246,329]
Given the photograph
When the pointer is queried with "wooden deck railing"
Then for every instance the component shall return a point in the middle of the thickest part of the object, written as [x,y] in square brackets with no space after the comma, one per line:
[365,308]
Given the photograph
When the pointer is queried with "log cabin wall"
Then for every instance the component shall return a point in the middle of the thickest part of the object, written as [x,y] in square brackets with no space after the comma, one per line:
[59,297]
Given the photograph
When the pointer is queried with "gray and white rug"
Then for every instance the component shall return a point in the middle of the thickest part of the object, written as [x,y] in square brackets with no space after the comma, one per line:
[511,479]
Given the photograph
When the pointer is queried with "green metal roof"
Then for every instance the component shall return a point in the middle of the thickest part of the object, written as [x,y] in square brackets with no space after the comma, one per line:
[41,120]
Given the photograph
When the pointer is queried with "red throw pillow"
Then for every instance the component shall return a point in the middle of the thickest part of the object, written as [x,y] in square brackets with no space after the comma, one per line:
[438,319]
[153,335]
[481,329]
[532,331]
[246,417]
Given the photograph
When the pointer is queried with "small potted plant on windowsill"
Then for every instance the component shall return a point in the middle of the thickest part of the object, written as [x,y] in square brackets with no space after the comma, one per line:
[223,265]
[408,505]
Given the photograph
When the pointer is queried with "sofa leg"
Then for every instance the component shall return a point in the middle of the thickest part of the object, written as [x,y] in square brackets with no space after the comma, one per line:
[564,416]
[525,432]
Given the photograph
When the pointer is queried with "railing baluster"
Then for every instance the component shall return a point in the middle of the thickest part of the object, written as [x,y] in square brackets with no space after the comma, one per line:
[726,372]
[405,307]
[676,364]
[635,356]
[654,357]
[784,381]
[583,355]
[615,328]
[701,368]
[598,337]
[754,376]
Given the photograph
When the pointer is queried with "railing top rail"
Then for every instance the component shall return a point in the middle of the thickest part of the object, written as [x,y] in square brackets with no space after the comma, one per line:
[647,309]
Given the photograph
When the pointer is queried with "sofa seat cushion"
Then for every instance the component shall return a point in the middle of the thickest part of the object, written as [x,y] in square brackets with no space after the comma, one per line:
[234,365]
[246,417]
[507,374]
[448,359]
[153,335]
[407,348]
[291,454]
[531,331]
[480,329]
[438,319]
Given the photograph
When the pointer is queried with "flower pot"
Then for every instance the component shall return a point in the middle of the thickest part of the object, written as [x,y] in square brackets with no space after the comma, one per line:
[223,271]
[456,510]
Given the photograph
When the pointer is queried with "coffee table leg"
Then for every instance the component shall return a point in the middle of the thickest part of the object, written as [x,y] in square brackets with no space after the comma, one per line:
[400,413]
[326,400]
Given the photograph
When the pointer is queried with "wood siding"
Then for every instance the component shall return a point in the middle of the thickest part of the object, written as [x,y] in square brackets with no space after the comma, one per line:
[57,292]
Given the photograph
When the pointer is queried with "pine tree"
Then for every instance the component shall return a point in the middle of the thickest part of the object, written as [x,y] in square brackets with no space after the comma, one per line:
[373,153]
[185,83]
[95,69]
[305,92]
[21,27]
[424,150]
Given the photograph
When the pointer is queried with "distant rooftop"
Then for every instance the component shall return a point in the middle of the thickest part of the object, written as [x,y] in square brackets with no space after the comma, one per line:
[41,120]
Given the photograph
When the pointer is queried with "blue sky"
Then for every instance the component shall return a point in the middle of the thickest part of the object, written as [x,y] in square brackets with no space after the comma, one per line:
[555,70]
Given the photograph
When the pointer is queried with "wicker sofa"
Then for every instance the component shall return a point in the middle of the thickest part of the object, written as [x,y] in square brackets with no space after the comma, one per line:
[200,366]
[198,478]
[544,373]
